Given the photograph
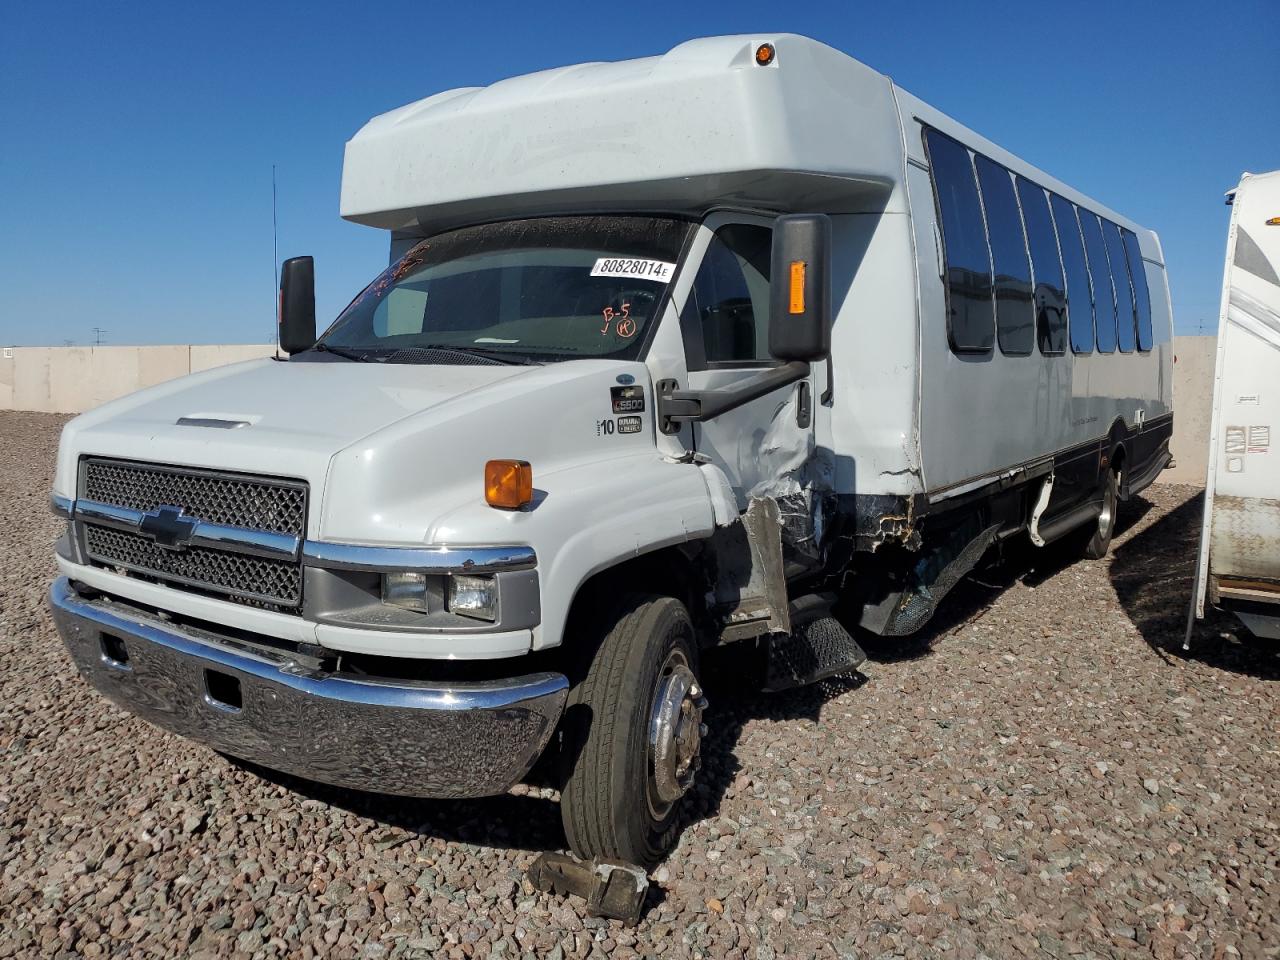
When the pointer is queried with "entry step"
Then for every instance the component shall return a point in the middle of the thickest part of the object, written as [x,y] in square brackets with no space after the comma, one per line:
[813,651]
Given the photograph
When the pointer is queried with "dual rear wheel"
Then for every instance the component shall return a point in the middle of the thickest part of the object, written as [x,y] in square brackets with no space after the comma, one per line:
[1096,539]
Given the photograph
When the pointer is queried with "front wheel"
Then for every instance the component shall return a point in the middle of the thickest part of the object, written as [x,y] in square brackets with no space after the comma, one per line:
[633,730]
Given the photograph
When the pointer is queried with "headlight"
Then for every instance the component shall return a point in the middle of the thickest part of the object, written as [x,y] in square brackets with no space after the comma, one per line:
[405,590]
[473,597]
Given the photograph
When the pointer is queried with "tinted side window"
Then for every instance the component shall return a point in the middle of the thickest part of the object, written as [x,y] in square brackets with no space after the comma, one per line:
[731,294]
[971,315]
[1141,295]
[1079,302]
[1051,306]
[1015,312]
[1104,303]
[1126,315]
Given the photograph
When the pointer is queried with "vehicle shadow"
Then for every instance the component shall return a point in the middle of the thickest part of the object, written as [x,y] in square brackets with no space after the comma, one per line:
[519,821]
[733,705]
[529,818]
[1152,574]
[1005,564]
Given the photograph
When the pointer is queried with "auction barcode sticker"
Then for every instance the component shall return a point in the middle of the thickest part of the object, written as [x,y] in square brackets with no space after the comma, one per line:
[658,270]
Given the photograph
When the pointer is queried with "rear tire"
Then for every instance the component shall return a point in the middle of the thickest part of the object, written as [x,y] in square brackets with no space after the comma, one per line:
[633,729]
[1097,544]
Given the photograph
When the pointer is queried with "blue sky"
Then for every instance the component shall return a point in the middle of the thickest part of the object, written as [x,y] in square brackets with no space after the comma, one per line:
[138,140]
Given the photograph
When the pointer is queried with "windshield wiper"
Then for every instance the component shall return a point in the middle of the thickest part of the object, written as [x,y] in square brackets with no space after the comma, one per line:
[342,352]
[498,356]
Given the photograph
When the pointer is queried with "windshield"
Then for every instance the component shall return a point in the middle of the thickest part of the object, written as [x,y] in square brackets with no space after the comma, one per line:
[520,291]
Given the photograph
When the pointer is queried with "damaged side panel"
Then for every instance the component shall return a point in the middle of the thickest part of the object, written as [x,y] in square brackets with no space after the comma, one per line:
[748,588]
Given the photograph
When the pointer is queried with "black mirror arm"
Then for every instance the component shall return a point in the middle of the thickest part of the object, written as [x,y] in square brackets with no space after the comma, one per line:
[684,406]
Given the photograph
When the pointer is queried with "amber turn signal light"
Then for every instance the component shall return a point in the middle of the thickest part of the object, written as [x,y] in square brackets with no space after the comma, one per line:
[508,484]
[797,286]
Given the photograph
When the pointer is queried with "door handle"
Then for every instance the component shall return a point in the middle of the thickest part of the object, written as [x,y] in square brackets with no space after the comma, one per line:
[804,405]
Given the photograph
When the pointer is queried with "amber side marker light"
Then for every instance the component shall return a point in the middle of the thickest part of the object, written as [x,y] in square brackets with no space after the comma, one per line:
[1274,222]
[508,484]
[764,54]
[797,287]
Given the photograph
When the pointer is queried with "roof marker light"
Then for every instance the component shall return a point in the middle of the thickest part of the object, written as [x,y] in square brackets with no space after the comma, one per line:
[764,54]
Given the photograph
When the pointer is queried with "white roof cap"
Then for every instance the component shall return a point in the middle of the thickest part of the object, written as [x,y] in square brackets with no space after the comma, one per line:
[701,126]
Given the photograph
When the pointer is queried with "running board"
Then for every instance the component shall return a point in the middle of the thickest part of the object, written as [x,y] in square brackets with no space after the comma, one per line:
[813,651]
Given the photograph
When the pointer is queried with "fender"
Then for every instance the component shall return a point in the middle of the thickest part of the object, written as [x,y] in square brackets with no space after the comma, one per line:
[594,515]
[1114,446]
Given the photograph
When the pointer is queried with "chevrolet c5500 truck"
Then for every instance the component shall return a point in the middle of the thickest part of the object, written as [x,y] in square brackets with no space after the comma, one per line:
[670,354]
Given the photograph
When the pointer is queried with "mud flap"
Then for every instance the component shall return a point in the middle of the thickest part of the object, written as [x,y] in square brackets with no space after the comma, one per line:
[941,568]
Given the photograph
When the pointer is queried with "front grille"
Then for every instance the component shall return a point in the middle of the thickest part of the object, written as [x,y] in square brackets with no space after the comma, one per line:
[257,503]
[271,581]
[238,500]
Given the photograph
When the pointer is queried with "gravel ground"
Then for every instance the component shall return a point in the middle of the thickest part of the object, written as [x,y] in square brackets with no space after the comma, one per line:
[1045,773]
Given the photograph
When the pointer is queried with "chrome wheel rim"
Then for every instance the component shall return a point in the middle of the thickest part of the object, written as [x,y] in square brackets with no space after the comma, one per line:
[675,734]
[1107,518]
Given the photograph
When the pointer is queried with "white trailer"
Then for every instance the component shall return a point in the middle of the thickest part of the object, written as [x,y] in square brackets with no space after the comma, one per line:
[671,353]
[1238,564]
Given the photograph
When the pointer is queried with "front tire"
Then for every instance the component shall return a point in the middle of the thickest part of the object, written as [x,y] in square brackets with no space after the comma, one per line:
[633,729]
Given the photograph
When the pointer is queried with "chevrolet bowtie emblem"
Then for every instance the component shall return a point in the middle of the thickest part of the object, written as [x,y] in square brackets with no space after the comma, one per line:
[169,527]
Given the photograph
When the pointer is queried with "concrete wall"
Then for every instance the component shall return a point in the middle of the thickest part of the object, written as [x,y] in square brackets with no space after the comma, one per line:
[1192,408]
[75,379]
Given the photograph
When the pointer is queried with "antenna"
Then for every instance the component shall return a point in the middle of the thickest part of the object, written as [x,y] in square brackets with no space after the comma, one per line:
[97,336]
[275,266]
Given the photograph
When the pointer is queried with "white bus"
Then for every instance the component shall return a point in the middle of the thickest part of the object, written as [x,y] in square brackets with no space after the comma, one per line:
[1238,565]
[671,353]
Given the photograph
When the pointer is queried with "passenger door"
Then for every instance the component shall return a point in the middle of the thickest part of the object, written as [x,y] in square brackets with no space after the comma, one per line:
[761,445]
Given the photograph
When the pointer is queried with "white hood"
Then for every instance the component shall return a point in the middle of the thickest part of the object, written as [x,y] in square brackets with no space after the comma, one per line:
[388,437]
[297,414]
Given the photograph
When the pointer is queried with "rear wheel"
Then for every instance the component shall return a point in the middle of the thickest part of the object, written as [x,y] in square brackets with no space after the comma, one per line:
[633,734]
[1097,542]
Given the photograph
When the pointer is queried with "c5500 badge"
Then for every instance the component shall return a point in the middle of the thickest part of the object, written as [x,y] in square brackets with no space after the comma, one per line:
[628,399]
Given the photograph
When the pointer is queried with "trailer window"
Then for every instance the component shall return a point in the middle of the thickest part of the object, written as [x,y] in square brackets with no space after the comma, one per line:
[1141,295]
[1126,311]
[1076,273]
[1104,304]
[1050,298]
[730,295]
[970,310]
[1015,310]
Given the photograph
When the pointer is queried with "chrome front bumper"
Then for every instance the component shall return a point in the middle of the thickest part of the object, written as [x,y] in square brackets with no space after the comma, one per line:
[392,736]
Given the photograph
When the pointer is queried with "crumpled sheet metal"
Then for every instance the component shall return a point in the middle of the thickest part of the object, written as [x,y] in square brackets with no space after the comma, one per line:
[799,476]
[612,888]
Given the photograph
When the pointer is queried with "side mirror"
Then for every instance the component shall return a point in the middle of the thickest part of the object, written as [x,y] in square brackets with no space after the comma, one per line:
[800,292]
[297,305]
